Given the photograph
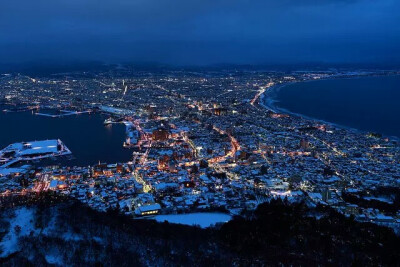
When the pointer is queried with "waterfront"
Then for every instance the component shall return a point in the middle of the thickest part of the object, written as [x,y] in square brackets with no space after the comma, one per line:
[85,135]
[199,142]
[367,103]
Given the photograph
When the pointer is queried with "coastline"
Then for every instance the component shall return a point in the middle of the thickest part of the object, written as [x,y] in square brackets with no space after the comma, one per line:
[85,147]
[268,100]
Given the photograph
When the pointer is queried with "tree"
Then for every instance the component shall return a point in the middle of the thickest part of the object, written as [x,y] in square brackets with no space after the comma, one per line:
[17,229]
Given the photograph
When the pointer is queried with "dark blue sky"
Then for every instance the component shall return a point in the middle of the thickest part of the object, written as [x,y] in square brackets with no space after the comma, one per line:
[201,31]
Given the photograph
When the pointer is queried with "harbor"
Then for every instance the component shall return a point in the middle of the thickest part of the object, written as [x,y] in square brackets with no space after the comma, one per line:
[30,151]
[84,134]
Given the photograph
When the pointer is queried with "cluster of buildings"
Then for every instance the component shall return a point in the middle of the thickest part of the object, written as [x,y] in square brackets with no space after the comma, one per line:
[206,141]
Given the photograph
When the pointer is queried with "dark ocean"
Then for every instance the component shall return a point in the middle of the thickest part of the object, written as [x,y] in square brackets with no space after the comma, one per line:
[369,104]
[85,135]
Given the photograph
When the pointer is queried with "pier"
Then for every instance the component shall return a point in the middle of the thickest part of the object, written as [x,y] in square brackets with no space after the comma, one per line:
[65,113]
[29,151]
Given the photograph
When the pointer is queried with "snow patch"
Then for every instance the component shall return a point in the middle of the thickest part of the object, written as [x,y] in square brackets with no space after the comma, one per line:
[20,225]
[54,259]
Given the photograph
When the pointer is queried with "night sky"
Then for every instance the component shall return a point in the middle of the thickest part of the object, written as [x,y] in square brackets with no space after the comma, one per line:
[201,31]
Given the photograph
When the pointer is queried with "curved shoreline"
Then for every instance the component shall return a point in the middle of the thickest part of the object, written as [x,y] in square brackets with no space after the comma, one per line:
[268,100]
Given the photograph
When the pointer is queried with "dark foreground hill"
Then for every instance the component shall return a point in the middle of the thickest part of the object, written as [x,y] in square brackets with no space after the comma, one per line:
[72,234]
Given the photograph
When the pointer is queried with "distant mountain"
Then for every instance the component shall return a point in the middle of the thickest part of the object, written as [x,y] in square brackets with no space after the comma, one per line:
[45,68]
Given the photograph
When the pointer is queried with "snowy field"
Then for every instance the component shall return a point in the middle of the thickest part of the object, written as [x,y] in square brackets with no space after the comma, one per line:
[204,220]
[20,225]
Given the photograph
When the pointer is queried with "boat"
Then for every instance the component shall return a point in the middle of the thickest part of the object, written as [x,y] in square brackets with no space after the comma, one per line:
[108,121]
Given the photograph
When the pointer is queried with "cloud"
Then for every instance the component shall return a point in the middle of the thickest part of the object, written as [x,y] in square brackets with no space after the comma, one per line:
[197,30]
